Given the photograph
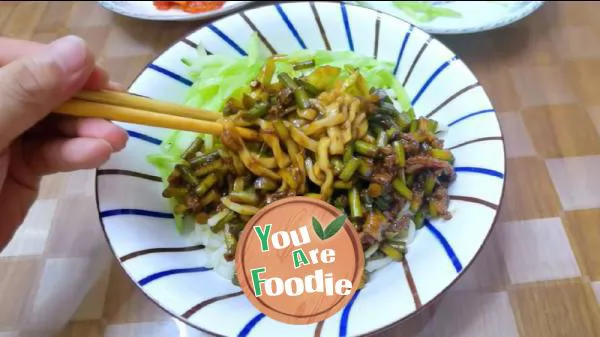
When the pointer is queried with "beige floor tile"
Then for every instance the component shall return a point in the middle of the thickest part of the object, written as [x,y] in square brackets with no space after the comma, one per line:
[419,325]
[583,75]
[80,183]
[561,131]
[63,287]
[529,190]
[564,14]
[92,305]
[86,13]
[148,329]
[129,41]
[523,46]
[125,69]
[27,332]
[474,314]
[76,229]
[18,277]
[93,328]
[575,43]
[96,36]
[171,327]
[576,181]
[23,20]
[516,138]
[499,81]
[45,37]
[594,113]
[125,302]
[9,334]
[556,309]
[30,238]
[584,232]
[166,37]
[6,12]
[596,288]
[53,186]
[536,250]
[55,16]
[542,85]
[82,329]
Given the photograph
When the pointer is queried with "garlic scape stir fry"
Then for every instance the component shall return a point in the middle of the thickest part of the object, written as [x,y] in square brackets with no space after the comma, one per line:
[333,125]
[325,136]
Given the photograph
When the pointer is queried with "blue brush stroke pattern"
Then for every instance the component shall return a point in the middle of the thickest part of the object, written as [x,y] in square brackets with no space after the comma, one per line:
[142,212]
[449,251]
[346,314]
[170,74]
[480,170]
[290,25]
[347,25]
[432,78]
[227,39]
[401,52]
[144,137]
[471,115]
[162,274]
[250,325]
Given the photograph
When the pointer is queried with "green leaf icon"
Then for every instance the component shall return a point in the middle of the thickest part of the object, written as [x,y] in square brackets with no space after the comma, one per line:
[334,226]
[318,229]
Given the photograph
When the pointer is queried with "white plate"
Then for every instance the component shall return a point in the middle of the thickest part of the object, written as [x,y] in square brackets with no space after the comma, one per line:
[476,16]
[145,10]
[171,269]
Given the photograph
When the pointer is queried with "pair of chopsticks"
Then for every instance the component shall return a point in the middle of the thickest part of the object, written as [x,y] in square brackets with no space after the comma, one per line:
[128,108]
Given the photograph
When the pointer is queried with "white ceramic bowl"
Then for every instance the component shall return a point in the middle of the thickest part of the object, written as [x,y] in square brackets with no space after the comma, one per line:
[475,16]
[171,270]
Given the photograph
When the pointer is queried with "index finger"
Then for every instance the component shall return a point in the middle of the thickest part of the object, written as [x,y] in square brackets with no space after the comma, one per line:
[13,49]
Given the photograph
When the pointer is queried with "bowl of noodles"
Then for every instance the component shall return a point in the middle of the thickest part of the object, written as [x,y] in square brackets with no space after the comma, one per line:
[354,107]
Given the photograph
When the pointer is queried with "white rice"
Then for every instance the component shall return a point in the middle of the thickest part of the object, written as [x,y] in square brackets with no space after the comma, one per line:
[215,250]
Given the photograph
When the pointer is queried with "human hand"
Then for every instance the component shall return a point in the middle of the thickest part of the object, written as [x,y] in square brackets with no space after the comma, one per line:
[34,79]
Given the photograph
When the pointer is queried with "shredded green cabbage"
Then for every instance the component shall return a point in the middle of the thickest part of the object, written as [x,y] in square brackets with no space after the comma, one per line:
[424,12]
[216,78]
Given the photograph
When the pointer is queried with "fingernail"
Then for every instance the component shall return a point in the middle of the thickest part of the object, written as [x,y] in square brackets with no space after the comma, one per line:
[69,52]
[116,86]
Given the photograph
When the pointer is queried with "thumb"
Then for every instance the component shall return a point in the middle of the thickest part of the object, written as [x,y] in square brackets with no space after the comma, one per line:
[34,85]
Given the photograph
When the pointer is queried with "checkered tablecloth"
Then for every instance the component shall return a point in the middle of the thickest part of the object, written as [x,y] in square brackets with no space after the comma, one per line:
[539,275]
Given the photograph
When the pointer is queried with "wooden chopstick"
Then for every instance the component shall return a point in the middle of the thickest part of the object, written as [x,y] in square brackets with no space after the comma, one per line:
[123,109]
[143,103]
